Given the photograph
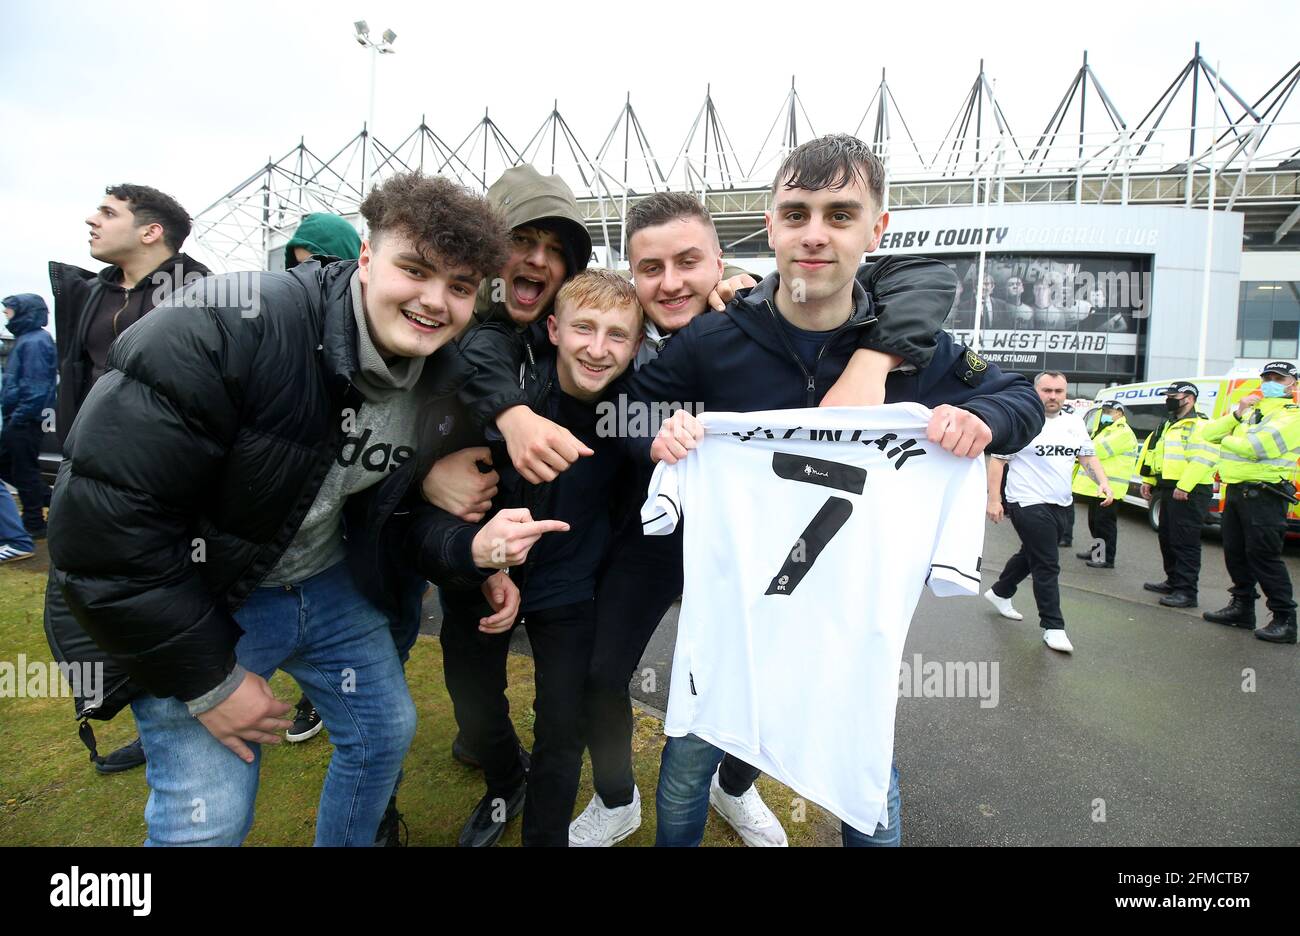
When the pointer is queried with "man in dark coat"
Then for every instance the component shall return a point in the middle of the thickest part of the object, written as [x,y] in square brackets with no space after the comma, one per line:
[138,231]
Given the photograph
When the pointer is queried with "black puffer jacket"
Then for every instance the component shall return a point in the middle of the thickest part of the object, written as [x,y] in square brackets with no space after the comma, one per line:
[195,459]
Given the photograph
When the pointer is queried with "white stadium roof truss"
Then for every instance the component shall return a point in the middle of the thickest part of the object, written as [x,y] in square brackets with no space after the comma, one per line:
[1086,153]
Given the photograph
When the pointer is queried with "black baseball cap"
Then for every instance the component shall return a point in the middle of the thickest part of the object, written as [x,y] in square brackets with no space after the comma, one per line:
[1181,387]
[1285,368]
[1113,404]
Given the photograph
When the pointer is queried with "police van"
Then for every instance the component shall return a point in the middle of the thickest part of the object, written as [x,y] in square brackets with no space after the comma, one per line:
[1145,403]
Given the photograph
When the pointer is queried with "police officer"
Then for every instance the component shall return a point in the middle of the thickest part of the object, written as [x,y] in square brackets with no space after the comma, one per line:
[1260,440]
[1117,449]
[1165,457]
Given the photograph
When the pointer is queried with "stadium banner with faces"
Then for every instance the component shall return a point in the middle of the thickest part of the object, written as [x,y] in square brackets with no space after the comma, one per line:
[1082,314]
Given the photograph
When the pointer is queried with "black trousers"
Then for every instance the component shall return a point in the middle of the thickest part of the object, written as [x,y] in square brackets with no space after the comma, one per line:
[1040,528]
[639,584]
[561,641]
[20,448]
[1180,535]
[474,668]
[1103,524]
[1254,530]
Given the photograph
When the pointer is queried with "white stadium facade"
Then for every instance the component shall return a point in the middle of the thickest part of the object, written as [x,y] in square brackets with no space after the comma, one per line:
[1084,246]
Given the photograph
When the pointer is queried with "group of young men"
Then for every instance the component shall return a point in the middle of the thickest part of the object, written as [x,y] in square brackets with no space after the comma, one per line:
[271,482]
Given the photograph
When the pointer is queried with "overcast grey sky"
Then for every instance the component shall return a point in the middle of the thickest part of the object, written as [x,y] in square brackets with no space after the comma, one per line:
[193,99]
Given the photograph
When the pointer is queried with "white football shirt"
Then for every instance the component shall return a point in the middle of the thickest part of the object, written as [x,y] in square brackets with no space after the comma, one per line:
[811,534]
[1042,472]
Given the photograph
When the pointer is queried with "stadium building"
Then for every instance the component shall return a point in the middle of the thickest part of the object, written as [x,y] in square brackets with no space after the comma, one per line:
[1085,246]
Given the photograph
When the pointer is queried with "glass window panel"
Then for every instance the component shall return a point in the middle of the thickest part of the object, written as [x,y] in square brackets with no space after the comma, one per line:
[1283,349]
[1253,309]
[1257,330]
[1286,305]
[1254,349]
[1285,331]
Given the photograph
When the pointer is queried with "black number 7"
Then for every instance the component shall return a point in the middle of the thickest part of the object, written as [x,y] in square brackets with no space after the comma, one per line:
[830,518]
[815,537]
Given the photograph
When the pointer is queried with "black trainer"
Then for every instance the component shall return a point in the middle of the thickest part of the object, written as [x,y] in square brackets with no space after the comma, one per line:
[1160,588]
[1094,564]
[488,821]
[461,753]
[306,722]
[1179,600]
[392,832]
[127,757]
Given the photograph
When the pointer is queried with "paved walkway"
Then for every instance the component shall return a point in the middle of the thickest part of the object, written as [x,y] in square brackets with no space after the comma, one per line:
[1147,724]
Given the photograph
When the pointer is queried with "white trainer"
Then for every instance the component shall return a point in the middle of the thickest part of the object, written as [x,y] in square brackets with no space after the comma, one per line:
[1004,606]
[598,826]
[1056,639]
[749,816]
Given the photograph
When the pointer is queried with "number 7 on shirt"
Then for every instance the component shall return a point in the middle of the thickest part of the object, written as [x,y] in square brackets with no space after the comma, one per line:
[829,520]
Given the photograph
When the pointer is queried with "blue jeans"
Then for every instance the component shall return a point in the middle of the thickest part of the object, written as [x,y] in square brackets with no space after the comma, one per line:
[682,799]
[12,531]
[339,648]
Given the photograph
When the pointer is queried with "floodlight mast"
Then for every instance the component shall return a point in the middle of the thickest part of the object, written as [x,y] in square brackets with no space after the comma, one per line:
[383,47]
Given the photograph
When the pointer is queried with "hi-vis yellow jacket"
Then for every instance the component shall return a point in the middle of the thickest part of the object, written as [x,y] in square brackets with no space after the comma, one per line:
[1181,444]
[1262,446]
[1117,449]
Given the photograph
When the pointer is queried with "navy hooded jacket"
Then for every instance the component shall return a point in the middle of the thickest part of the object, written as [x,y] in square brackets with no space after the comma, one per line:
[743,360]
[32,368]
